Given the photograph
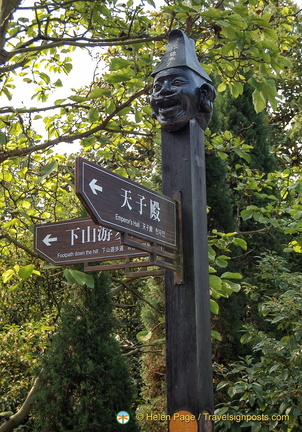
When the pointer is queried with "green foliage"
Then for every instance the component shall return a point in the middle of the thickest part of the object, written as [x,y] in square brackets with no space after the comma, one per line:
[259,205]
[84,381]
[24,330]
[153,364]
[267,382]
[21,348]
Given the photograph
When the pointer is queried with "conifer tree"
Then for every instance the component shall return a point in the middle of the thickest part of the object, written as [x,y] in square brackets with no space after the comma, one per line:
[239,117]
[219,198]
[153,368]
[84,382]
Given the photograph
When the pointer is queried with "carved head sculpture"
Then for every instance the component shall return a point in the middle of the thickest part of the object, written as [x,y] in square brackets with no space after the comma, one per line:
[182,89]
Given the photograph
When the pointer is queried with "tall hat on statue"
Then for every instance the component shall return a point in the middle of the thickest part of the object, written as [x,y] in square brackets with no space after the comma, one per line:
[180,52]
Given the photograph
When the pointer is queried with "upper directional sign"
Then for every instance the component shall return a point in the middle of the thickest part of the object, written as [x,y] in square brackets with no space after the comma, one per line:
[124,205]
[79,241]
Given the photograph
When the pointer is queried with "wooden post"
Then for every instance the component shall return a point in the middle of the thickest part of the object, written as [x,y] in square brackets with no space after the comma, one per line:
[189,362]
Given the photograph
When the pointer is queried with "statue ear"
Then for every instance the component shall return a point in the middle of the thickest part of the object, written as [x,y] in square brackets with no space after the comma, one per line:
[207,97]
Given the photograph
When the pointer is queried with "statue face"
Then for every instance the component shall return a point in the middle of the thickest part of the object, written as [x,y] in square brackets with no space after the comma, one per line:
[176,97]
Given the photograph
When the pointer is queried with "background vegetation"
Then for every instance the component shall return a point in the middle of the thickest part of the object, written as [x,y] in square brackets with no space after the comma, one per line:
[253,52]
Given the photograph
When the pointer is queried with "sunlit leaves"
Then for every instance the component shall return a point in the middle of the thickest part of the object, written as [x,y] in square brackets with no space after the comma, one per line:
[18,273]
[246,33]
[21,348]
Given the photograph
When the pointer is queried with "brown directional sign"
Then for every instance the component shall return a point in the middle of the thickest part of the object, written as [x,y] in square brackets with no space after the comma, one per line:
[126,206]
[80,241]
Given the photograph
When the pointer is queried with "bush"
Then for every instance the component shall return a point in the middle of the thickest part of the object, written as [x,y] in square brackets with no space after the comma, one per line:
[84,382]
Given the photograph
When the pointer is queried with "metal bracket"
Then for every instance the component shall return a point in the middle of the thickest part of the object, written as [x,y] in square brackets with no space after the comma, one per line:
[162,256]
[129,267]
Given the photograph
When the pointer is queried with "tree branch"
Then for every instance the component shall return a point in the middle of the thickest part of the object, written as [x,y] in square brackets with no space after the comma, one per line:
[9,68]
[7,8]
[19,245]
[126,285]
[87,43]
[55,6]
[33,110]
[70,138]
[259,231]
[20,415]
[128,132]
[9,109]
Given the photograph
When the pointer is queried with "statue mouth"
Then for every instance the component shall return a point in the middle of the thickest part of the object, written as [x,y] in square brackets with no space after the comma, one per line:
[170,107]
[171,110]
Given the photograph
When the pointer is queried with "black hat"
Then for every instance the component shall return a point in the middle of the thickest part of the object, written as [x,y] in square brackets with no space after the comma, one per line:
[180,52]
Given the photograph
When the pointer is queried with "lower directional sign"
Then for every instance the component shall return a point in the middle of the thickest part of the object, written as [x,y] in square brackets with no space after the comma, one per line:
[80,241]
[124,205]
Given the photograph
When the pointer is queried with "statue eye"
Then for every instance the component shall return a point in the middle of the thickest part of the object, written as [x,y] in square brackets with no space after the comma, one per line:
[178,82]
[157,87]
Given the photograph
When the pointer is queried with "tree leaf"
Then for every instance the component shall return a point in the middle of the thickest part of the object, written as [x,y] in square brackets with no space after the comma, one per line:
[115,78]
[49,168]
[76,98]
[3,138]
[118,63]
[93,115]
[59,101]
[215,282]
[26,271]
[214,306]
[259,101]
[144,336]
[6,414]
[45,77]
[216,335]
[76,276]
[83,278]
[152,3]
[229,275]
[240,242]
[7,275]
[96,93]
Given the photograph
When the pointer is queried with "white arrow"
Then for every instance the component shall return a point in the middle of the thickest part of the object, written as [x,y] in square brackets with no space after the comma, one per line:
[48,240]
[94,187]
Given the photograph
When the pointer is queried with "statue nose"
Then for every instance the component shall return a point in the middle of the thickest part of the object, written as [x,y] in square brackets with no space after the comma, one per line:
[166,87]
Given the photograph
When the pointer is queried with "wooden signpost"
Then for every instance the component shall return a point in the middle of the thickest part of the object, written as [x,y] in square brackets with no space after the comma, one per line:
[188,332]
[130,220]
[182,101]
